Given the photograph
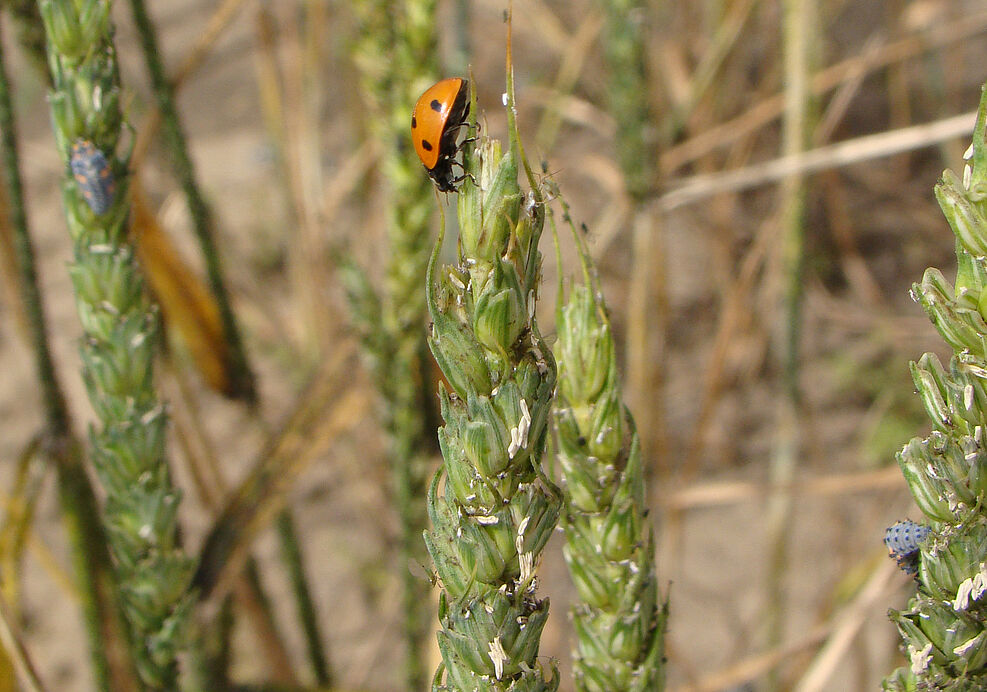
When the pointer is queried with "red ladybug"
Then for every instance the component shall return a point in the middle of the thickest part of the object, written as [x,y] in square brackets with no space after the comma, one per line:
[435,123]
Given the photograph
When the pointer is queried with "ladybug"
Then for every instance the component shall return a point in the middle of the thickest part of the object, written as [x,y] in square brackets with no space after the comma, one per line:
[93,176]
[435,123]
[903,540]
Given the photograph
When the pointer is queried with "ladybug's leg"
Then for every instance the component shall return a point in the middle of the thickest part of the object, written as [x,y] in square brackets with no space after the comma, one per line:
[455,128]
[466,174]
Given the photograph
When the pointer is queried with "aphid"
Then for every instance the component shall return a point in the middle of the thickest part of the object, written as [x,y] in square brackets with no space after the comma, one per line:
[435,123]
[93,176]
[903,540]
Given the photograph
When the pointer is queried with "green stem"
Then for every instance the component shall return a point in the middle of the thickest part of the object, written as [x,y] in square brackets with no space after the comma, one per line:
[242,377]
[273,642]
[292,556]
[397,57]
[56,411]
[243,384]
[784,462]
[210,656]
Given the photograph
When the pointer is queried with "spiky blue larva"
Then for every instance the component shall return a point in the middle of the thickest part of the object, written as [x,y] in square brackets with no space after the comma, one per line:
[93,176]
[903,540]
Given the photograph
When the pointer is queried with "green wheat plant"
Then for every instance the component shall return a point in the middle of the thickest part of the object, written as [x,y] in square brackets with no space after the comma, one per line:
[90,553]
[624,41]
[944,627]
[492,508]
[119,344]
[396,40]
[610,547]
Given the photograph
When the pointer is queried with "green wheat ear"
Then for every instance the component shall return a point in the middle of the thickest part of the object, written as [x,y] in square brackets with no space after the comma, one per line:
[492,509]
[120,338]
[610,547]
[944,628]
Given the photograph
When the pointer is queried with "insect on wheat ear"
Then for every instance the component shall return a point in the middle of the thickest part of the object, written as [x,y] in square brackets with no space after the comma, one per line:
[93,176]
[435,122]
[903,540]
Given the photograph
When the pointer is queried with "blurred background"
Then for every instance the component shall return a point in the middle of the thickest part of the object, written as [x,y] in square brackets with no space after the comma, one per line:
[764,316]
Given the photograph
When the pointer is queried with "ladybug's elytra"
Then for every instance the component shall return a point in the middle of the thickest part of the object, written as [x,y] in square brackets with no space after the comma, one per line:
[435,123]
[93,176]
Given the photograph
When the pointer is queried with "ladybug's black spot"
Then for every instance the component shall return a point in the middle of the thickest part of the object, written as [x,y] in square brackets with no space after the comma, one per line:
[435,105]
[414,122]
[426,145]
